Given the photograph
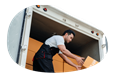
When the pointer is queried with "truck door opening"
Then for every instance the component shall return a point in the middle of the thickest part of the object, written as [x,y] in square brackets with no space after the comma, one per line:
[82,45]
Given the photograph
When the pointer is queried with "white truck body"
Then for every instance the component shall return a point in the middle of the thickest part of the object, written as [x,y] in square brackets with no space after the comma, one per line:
[39,24]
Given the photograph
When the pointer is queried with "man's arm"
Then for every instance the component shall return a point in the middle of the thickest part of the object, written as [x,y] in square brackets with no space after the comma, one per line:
[66,52]
[69,54]
[64,57]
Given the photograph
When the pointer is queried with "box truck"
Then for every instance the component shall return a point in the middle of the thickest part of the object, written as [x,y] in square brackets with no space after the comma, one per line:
[39,22]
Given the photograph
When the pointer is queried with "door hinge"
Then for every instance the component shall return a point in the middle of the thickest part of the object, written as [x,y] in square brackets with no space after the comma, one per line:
[23,47]
[29,12]
[103,45]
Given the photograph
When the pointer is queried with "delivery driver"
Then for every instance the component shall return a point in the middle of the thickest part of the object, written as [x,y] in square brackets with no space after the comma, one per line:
[55,44]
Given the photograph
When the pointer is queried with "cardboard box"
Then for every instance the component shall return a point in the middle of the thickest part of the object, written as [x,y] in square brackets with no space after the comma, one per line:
[89,62]
[34,45]
[58,66]
[69,68]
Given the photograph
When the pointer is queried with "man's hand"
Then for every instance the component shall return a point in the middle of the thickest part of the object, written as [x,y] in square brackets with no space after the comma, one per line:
[78,67]
[79,60]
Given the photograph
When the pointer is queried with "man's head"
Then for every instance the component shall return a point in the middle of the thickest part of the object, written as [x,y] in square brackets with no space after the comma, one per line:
[68,35]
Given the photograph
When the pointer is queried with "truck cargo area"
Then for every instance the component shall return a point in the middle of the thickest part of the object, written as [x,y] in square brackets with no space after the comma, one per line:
[82,45]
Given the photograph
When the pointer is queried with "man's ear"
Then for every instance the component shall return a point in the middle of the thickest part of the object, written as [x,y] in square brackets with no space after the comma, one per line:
[66,34]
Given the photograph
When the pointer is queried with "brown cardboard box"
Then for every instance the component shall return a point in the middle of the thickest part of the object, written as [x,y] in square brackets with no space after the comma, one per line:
[58,63]
[33,47]
[57,57]
[89,62]
[30,56]
[58,66]
[69,68]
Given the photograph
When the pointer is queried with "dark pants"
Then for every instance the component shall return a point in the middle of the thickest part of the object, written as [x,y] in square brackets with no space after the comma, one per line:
[43,65]
[43,59]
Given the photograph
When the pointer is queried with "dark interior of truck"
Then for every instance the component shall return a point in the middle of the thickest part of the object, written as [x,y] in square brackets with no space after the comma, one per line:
[82,45]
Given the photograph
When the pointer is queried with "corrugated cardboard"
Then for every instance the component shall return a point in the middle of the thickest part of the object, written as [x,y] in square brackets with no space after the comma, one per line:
[33,47]
[89,62]
[58,63]
[58,66]
[57,57]
[67,67]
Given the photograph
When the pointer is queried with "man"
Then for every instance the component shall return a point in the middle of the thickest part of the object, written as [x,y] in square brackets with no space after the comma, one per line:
[55,44]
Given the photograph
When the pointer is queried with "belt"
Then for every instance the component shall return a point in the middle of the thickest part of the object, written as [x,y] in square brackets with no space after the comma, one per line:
[46,52]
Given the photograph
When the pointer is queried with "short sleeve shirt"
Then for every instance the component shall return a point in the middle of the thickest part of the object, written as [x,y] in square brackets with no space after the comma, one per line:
[54,41]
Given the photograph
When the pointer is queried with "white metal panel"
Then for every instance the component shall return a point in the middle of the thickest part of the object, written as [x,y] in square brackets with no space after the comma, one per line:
[104,67]
[73,23]
[25,38]
[14,33]
[75,17]
[105,45]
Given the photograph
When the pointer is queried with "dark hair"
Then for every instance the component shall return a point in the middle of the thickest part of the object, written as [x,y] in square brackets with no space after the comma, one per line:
[69,32]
